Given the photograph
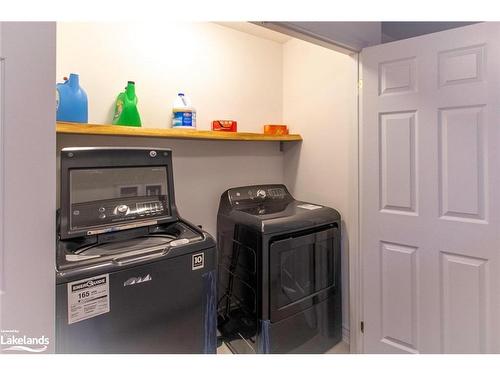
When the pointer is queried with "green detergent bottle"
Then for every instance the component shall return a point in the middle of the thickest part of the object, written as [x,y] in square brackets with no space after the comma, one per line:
[126,112]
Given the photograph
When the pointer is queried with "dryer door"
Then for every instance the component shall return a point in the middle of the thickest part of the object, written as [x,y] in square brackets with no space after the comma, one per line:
[302,271]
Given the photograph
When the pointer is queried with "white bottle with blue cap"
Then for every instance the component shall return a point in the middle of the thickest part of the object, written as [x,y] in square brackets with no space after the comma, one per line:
[183,113]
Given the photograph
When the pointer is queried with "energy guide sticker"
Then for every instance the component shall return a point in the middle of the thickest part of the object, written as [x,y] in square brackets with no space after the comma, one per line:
[88,298]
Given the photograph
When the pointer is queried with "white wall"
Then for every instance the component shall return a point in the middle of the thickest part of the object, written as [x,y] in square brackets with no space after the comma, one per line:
[227,73]
[28,200]
[320,102]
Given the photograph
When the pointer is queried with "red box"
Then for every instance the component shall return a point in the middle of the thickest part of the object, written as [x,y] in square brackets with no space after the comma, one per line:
[224,125]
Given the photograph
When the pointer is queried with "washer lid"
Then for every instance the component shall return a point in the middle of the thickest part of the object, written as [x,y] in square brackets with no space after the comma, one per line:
[106,189]
[136,245]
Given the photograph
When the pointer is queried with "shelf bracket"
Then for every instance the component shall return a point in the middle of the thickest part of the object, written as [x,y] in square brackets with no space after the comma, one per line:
[282,146]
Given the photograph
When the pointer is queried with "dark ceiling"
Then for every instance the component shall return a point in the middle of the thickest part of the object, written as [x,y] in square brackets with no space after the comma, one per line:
[402,30]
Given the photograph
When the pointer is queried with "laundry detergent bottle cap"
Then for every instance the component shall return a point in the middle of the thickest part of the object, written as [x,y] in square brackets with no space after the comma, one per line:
[71,100]
[183,113]
[130,90]
[126,112]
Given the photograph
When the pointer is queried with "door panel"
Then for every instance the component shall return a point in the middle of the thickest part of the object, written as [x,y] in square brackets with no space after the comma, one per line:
[397,162]
[462,149]
[430,193]
[399,288]
[464,283]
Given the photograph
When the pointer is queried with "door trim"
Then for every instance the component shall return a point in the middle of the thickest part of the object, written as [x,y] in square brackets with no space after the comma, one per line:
[355,253]
[2,181]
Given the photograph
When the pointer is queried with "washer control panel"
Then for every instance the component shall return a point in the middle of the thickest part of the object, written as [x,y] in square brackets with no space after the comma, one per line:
[97,213]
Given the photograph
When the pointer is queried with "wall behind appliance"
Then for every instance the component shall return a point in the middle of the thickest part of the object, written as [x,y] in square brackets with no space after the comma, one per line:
[27,197]
[227,73]
[320,102]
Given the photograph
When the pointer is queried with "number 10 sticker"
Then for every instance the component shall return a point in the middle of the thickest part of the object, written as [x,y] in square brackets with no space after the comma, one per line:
[198,261]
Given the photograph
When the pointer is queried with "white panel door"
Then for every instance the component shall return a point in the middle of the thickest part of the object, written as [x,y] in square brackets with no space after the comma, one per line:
[430,193]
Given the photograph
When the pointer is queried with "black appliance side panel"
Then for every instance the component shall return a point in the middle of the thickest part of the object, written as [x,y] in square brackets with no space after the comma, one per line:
[164,315]
[239,279]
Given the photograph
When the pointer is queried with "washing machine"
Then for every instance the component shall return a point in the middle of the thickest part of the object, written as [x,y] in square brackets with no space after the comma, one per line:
[132,276]
[279,272]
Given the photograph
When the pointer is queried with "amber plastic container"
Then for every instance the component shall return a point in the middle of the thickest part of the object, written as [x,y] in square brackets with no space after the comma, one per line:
[276,129]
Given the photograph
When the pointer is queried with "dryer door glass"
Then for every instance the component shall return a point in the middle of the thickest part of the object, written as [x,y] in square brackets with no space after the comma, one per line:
[302,272]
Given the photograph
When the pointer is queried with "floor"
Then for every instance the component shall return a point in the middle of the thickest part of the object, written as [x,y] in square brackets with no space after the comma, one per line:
[341,348]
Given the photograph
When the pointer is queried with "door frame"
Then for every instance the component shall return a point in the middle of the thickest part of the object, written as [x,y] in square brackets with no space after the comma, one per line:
[355,253]
[2,179]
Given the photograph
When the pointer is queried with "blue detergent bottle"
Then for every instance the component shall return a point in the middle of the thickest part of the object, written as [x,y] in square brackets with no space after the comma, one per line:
[71,100]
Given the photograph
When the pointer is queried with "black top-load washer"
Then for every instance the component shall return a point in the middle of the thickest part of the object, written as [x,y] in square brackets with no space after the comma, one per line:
[132,276]
[279,272]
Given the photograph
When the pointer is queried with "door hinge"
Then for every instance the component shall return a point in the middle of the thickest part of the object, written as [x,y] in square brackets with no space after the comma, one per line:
[362,326]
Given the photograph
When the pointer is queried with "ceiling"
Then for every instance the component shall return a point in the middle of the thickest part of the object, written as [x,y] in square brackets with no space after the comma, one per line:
[346,37]
[256,30]
[392,31]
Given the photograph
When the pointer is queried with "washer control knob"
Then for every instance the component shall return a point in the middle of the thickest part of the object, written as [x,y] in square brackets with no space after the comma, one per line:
[122,208]
[261,193]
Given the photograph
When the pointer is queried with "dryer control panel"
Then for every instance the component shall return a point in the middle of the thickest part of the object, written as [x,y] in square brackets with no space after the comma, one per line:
[258,194]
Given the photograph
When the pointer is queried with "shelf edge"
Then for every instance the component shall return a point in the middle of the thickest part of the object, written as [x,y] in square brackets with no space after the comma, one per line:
[124,131]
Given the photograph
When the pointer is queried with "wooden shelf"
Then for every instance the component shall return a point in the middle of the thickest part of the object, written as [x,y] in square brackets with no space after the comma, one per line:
[128,131]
